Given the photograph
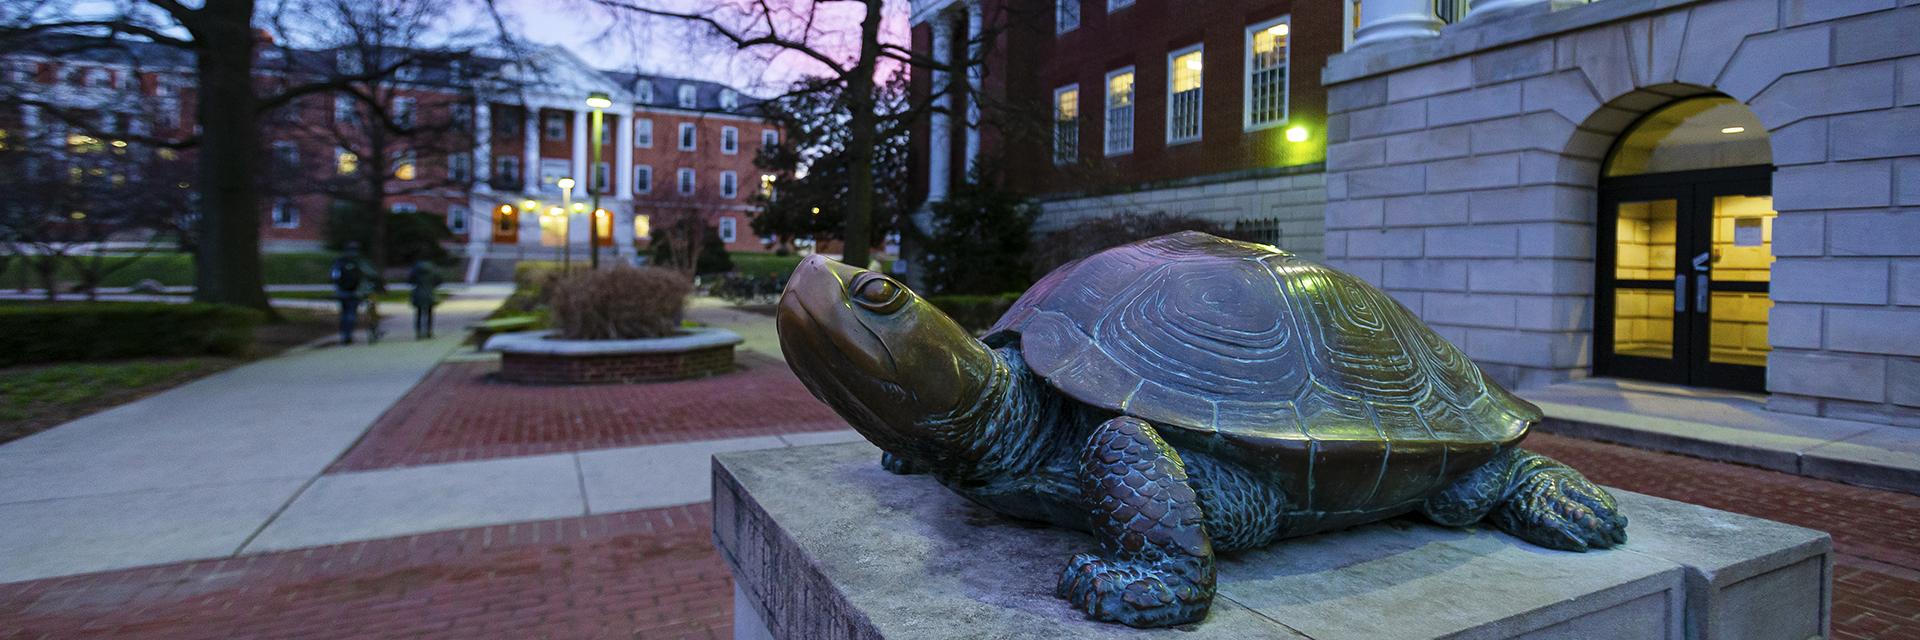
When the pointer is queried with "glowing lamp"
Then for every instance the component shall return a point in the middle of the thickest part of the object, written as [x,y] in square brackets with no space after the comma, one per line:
[599,100]
[1296,134]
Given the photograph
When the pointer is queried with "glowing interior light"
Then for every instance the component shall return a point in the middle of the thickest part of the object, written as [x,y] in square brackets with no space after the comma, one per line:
[1194,63]
[1733,130]
[1296,134]
[1278,30]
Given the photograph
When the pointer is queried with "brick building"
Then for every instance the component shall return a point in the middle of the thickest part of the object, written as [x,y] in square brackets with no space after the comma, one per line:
[1703,193]
[669,146]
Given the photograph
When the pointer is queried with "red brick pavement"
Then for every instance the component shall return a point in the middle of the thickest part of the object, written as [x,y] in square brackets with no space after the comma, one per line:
[1876,534]
[635,575]
[460,413]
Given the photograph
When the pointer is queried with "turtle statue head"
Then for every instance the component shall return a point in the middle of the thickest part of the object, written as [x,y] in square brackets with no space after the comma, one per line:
[881,356]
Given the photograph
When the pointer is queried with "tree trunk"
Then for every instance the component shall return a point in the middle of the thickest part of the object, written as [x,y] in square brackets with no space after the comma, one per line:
[378,168]
[227,266]
[863,125]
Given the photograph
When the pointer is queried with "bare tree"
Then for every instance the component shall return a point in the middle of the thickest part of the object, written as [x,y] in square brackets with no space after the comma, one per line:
[83,206]
[221,37]
[817,33]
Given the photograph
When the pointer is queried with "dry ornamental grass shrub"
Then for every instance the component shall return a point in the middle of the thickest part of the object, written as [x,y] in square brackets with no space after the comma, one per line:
[618,304]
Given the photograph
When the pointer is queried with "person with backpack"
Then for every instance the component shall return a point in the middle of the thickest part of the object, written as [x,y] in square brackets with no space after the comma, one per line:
[426,281]
[350,275]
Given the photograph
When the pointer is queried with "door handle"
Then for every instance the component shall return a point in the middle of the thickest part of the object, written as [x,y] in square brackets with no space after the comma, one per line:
[1679,294]
[1700,296]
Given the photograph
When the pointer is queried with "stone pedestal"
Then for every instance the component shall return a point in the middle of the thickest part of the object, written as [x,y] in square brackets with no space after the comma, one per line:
[824,544]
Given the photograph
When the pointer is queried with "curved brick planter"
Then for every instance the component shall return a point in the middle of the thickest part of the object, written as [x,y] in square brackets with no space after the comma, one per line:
[530,357]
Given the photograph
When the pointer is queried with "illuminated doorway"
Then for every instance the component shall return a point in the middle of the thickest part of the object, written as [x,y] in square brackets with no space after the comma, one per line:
[1686,248]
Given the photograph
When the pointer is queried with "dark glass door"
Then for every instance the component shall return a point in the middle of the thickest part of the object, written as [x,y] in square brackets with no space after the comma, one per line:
[1683,277]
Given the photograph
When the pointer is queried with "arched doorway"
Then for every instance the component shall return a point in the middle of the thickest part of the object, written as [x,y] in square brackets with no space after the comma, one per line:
[1686,248]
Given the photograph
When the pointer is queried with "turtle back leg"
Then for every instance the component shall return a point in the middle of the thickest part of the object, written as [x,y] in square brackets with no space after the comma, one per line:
[1155,563]
[1535,498]
[898,465]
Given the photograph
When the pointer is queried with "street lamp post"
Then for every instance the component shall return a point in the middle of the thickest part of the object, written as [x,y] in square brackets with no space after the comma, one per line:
[566,229]
[598,100]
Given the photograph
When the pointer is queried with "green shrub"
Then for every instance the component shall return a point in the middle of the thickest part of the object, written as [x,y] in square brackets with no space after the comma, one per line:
[39,333]
[975,313]
[176,269]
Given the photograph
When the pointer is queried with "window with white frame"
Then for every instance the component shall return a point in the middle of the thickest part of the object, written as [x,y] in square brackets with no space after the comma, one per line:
[686,182]
[1183,95]
[643,92]
[286,155]
[1066,15]
[642,179]
[606,131]
[729,185]
[688,139]
[457,218]
[602,176]
[459,167]
[1266,90]
[509,170]
[729,229]
[689,96]
[555,126]
[1119,124]
[729,100]
[344,111]
[1115,5]
[403,112]
[769,138]
[643,133]
[285,215]
[729,140]
[1066,124]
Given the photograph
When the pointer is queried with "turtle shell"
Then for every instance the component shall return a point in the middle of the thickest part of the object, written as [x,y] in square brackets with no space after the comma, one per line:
[1255,350]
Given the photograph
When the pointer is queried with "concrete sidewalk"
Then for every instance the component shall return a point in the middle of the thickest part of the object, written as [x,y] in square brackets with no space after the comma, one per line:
[198,471]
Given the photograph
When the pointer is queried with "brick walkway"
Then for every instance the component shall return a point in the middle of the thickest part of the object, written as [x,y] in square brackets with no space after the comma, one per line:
[458,413]
[1876,534]
[640,574]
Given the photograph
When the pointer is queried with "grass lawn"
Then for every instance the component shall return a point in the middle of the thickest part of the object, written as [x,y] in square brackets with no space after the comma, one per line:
[396,297]
[760,264]
[176,269]
[39,397]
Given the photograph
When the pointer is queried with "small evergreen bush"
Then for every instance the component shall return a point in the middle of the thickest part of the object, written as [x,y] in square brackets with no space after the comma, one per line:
[42,333]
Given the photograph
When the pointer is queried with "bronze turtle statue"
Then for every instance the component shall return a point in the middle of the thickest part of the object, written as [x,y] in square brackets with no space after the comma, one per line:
[1183,395]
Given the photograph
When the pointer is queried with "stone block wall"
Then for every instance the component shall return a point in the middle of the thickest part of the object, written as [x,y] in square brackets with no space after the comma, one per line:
[1462,170]
[1293,205]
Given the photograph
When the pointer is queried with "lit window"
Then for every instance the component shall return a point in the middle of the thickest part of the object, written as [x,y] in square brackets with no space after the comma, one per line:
[686,182]
[642,227]
[729,229]
[687,137]
[1119,138]
[345,162]
[729,140]
[285,215]
[403,166]
[769,138]
[643,133]
[1066,15]
[457,218]
[689,96]
[729,185]
[1066,124]
[556,126]
[766,185]
[1267,53]
[1183,94]
[643,179]
[729,100]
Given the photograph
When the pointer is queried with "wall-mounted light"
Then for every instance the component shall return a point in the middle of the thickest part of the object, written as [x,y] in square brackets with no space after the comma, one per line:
[579,207]
[528,205]
[1733,130]
[1296,134]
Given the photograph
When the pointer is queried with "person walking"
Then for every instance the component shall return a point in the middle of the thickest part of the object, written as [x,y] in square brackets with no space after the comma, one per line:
[426,282]
[350,275]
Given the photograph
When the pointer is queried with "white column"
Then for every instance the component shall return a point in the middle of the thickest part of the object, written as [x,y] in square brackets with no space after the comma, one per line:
[482,148]
[623,157]
[940,125]
[622,228]
[582,180]
[530,158]
[1390,20]
[1484,8]
[974,27]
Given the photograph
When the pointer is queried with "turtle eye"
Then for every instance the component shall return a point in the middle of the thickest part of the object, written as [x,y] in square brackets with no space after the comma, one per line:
[878,293]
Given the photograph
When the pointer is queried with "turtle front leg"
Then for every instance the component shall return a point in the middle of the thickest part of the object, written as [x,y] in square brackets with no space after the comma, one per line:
[1535,498]
[1155,564]
[898,465]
